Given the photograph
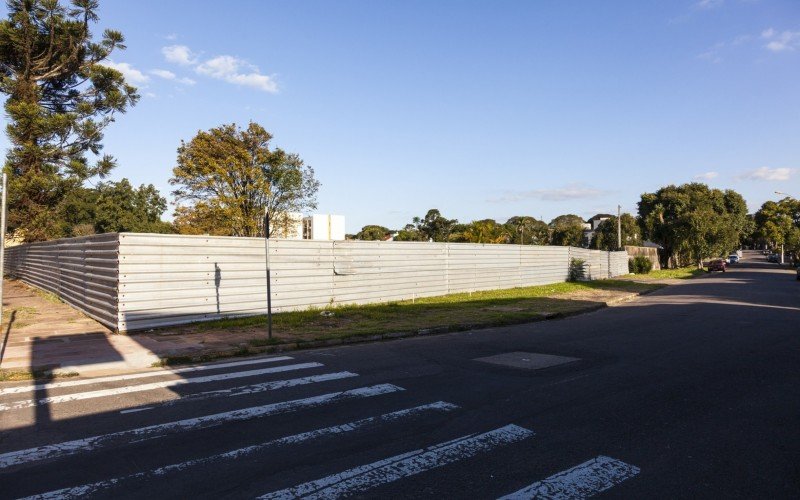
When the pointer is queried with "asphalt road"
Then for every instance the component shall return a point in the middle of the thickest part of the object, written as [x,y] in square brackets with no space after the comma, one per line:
[691,392]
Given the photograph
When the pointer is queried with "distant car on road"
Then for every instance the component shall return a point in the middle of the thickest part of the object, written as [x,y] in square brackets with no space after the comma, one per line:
[717,265]
[798,273]
[773,258]
[733,259]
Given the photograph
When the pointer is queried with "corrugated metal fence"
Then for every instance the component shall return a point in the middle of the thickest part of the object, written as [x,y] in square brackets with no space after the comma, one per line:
[81,271]
[164,280]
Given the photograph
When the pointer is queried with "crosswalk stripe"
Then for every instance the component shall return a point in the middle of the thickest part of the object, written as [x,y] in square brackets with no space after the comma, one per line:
[248,389]
[365,477]
[160,430]
[88,489]
[117,391]
[582,481]
[134,376]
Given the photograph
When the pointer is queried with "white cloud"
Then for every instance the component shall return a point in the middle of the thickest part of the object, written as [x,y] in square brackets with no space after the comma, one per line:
[131,74]
[707,176]
[238,72]
[575,191]
[709,4]
[150,95]
[179,54]
[781,42]
[171,36]
[162,73]
[767,174]
[169,75]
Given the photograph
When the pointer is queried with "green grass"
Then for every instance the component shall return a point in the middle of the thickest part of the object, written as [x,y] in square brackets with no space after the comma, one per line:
[449,313]
[680,273]
[18,375]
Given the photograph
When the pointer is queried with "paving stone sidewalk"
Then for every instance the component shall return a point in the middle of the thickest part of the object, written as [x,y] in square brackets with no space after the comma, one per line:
[39,332]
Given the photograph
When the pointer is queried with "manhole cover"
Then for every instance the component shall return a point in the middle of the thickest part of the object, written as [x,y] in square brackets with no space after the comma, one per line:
[527,360]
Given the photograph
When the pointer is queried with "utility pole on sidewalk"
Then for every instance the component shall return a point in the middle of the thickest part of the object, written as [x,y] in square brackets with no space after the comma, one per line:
[3,245]
[269,280]
[619,228]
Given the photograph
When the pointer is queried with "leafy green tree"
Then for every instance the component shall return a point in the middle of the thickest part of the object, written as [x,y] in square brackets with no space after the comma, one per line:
[434,226]
[372,233]
[567,230]
[410,233]
[527,231]
[486,231]
[60,98]
[565,220]
[121,208]
[227,177]
[693,221]
[605,236]
[778,223]
[114,207]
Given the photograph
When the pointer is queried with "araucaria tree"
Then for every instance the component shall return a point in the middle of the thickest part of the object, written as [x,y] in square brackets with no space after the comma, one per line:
[228,177]
[693,222]
[59,100]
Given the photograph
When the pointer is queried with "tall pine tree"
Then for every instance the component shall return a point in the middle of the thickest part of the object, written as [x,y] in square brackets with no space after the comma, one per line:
[59,100]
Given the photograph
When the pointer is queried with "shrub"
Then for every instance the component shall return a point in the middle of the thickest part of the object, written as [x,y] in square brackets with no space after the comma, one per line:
[576,272]
[640,265]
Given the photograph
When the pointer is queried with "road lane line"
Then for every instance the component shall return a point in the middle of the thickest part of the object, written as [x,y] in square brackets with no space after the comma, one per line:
[68,448]
[365,477]
[127,389]
[582,481]
[247,389]
[134,376]
[89,489]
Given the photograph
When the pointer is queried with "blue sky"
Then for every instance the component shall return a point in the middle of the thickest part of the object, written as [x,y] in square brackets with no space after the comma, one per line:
[479,109]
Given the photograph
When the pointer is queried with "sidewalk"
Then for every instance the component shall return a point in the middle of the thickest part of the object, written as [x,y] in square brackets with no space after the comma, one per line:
[40,333]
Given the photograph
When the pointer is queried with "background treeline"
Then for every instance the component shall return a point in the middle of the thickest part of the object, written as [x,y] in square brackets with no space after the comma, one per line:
[691,222]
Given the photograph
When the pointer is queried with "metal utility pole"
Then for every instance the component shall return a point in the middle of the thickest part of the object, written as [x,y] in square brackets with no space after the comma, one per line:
[3,244]
[783,194]
[619,228]
[269,280]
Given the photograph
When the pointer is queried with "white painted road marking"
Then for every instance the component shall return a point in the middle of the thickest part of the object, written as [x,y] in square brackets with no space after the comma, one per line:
[156,431]
[89,489]
[582,481]
[127,389]
[248,389]
[134,376]
[368,476]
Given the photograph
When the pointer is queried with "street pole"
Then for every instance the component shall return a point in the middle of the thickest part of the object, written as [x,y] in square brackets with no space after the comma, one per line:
[619,228]
[3,245]
[269,280]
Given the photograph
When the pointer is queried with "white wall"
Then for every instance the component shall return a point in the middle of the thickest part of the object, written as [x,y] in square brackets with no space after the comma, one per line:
[135,281]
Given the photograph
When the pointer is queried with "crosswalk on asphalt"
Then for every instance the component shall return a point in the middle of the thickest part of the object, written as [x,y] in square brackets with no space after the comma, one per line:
[271,427]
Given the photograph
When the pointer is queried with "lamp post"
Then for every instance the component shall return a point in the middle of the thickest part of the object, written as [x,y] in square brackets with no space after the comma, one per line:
[783,194]
[619,228]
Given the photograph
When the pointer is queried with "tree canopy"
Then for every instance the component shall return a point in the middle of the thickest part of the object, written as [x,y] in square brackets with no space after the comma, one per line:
[567,230]
[527,230]
[227,177]
[605,236]
[373,233]
[693,221]
[60,98]
[778,223]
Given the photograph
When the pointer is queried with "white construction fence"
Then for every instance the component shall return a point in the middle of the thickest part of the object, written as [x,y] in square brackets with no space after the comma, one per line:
[131,281]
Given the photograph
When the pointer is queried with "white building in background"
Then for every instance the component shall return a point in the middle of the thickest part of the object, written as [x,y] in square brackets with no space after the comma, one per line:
[323,227]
